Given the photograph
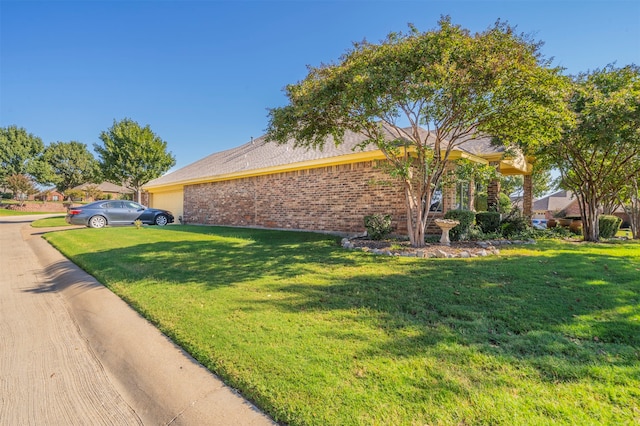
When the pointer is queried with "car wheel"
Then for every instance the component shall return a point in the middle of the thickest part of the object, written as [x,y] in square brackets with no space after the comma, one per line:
[161,220]
[97,222]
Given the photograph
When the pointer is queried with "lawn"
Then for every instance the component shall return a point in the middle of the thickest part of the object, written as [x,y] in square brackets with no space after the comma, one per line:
[49,222]
[318,335]
[7,212]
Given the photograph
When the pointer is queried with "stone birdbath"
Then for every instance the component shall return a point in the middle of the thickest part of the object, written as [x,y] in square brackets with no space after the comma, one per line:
[446,225]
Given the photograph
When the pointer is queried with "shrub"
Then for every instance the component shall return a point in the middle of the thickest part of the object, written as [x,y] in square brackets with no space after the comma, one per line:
[488,221]
[514,224]
[466,218]
[75,194]
[378,225]
[481,203]
[609,226]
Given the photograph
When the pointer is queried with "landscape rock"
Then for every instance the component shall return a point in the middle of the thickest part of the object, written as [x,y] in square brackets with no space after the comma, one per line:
[440,254]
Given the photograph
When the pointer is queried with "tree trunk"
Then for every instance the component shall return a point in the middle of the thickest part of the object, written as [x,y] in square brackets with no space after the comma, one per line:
[589,209]
[633,210]
[416,215]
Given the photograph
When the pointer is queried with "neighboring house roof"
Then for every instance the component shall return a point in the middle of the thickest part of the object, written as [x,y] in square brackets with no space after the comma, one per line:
[261,157]
[554,202]
[104,187]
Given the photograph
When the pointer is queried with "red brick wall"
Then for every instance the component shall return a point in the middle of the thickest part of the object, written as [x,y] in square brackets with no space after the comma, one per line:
[334,198]
[38,207]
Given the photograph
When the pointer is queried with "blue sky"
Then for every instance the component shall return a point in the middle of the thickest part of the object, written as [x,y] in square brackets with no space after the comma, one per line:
[203,73]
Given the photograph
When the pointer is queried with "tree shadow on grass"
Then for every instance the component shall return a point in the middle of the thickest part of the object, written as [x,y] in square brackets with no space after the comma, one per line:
[242,255]
[563,313]
[579,311]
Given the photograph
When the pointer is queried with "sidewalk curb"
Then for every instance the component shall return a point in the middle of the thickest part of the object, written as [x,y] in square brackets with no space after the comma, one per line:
[160,381]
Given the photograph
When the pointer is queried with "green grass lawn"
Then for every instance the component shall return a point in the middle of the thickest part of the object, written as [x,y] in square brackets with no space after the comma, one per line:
[7,212]
[317,335]
[49,222]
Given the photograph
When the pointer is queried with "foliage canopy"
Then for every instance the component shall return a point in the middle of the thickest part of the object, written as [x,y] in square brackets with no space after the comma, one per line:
[71,163]
[132,155]
[20,153]
[600,155]
[418,96]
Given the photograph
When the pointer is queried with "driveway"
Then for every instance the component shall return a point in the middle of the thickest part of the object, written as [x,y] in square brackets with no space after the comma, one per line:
[71,352]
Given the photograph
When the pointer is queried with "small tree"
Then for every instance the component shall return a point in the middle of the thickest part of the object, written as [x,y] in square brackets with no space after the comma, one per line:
[132,155]
[458,85]
[93,192]
[22,187]
[599,155]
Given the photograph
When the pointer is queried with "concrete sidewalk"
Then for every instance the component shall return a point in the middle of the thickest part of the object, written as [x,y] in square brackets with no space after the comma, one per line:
[71,352]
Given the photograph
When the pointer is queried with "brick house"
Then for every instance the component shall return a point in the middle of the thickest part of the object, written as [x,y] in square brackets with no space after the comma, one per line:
[547,207]
[262,184]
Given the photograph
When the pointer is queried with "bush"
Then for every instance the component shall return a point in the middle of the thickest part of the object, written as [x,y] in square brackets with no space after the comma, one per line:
[488,221]
[378,226]
[514,224]
[481,203]
[466,219]
[75,195]
[609,226]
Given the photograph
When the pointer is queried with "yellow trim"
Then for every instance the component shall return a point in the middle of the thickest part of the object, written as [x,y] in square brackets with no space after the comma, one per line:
[509,167]
[302,165]
[456,155]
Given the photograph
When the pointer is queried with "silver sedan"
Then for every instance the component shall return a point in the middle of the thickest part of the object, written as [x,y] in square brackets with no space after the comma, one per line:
[116,212]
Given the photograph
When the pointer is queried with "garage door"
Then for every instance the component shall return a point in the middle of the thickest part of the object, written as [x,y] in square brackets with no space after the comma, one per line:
[172,201]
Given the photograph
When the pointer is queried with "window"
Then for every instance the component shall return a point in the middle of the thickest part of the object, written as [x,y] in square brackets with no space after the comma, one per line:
[436,201]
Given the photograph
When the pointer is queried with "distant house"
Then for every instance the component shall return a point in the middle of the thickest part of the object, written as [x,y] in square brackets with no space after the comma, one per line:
[552,204]
[565,204]
[108,190]
[50,195]
[262,184]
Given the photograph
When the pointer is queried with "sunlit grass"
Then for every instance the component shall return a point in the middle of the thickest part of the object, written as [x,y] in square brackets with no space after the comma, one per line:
[49,222]
[315,334]
[7,212]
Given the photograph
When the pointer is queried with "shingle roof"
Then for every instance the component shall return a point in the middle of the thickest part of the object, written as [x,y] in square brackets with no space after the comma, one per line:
[554,202]
[260,154]
[104,187]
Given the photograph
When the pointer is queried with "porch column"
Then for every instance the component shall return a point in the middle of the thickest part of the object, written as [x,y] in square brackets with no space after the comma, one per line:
[493,191]
[448,198]
[527,197]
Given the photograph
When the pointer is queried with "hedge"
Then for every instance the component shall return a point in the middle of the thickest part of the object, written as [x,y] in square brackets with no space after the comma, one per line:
[466,219]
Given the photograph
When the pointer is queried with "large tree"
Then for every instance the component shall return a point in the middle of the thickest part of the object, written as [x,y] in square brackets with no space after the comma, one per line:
[454,84]
[132,155]
[600,154]
[72,164]
[20,154]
